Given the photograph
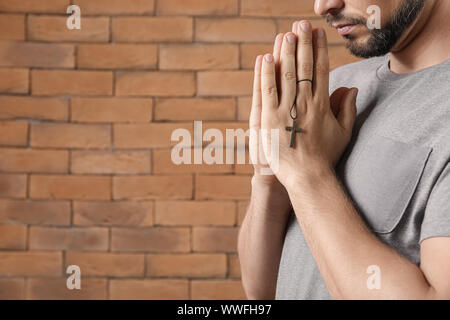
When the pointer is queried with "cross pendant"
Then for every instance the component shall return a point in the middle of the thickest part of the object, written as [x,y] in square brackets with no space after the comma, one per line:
[293,131]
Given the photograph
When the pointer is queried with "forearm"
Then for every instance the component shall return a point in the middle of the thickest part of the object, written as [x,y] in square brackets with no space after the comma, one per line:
[261,240]
[343,247]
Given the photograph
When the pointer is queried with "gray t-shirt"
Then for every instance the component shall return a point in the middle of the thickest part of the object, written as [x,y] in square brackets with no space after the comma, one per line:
[396,169]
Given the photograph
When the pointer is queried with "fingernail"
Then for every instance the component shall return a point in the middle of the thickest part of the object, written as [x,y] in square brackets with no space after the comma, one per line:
[306,26]
[291,38]
[269,58]
[320,33]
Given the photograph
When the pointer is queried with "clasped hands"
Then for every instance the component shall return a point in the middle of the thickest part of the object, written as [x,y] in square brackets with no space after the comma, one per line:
[326,122]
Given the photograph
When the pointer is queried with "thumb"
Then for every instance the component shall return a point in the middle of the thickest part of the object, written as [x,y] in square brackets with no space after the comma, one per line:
[347,114]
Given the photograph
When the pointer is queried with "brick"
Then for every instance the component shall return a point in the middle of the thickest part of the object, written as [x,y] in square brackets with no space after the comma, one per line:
[149,289]
[111,110]
[249,52]
[189,109]
[64,135]
[13,237]
[154,135]
[35,212]
[271,8]
[217,290]
[163,164]
[198,57]
[12,289]
[56,289]
[224,83]
[222,187]
[235,30]
[152,187]
[38,55]
[13,185]
[195,213]
[151,239]
[234,266]
[197,7]
[152,29]
[333,37]
[116,7]
[86,239]
[15,107]
[240,130]
[187,265]
[106,162]
[33,6]
[215,239]
[14,80]
[12,27]
[242,211]
[71,82]
[340,56]
[244,168]
[70,187]
[54,29]
[107,264]
[13,133]
[33,160]
[158,84]
[117,56]
[244,106]
[117,213]
[31,264]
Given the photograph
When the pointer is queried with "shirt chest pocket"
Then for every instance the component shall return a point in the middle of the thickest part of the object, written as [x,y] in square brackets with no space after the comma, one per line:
[382,178]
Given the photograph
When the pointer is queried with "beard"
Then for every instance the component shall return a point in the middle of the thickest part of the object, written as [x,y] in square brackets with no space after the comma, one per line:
[381,41]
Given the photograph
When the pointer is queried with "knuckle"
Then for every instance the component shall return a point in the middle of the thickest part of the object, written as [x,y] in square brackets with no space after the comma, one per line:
[322,68]
[306,41]
[290,53]
[290,76]
[271,90]
[307,68]
[257,106]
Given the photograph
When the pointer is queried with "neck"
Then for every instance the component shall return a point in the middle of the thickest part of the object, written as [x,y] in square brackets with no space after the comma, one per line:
[426,43]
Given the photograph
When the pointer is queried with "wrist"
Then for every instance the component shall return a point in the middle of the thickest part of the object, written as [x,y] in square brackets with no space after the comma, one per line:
[269,198]
[311,178]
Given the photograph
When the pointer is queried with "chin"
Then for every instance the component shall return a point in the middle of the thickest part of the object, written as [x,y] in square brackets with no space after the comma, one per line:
[360,46]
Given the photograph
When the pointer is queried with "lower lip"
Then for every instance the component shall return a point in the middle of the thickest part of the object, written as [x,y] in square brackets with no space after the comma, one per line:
[346,30]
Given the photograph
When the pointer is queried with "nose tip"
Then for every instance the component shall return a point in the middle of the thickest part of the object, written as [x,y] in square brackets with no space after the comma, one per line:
[324,7]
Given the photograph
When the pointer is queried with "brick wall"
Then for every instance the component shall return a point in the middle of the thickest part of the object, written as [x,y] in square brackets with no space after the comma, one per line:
[85,123]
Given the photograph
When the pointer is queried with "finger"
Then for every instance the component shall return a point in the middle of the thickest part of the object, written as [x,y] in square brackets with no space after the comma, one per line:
[269,101]
[321,65]
[305,60]
[295,27]
[276,55]
[277,47]
[347,114]
[268,86]
[336,100]
[288,71]
[255,111]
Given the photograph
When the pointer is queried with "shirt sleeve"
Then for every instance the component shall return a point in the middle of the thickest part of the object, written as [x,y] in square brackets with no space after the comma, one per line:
[436,222]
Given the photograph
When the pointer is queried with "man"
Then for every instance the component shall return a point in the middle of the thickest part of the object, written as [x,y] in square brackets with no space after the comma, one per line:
[359,207]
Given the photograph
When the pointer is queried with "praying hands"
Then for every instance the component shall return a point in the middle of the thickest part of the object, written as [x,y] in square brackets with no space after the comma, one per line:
[291,94]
